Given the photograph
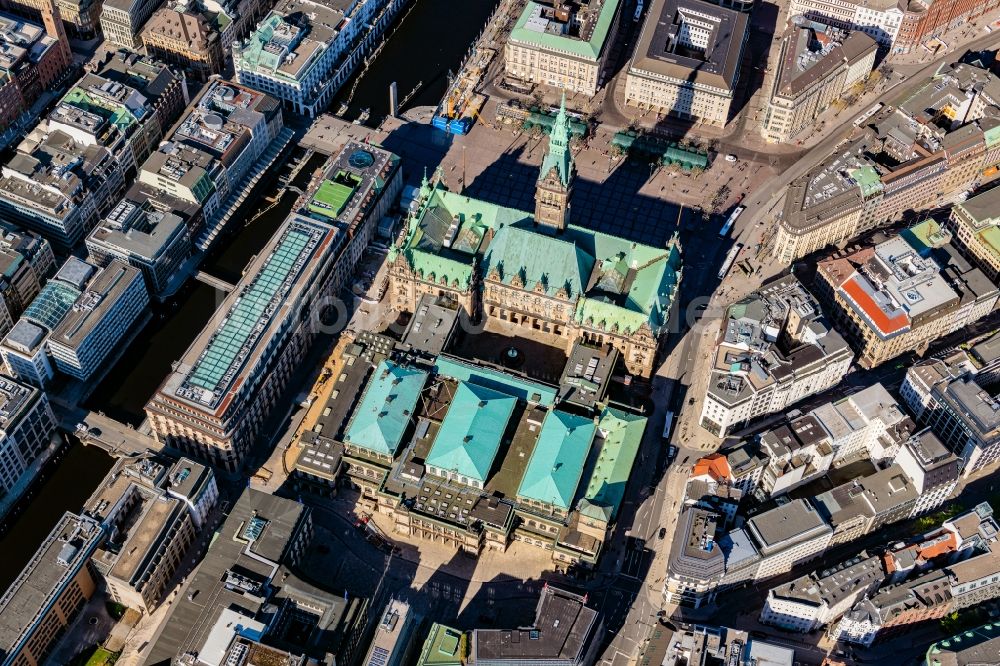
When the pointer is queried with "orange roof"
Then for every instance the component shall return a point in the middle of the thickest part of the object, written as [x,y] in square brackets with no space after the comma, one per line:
[884,322]
[715,465]
[940,547]
[890,562]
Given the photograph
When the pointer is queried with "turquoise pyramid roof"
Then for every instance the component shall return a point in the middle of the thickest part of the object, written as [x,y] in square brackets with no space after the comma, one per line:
[386,407]
[470,434]
[556,464]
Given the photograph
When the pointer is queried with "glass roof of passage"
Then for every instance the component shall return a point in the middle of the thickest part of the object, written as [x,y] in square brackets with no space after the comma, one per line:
[52,304]
[250,315]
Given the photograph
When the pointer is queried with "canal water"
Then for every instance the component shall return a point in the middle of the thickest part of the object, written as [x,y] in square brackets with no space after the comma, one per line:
[66,486]
[430,41]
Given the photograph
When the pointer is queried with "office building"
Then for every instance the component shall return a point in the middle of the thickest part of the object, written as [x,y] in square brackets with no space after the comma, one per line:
[76,321]
[358,189]
[214,402]
[821,597]
[787,536]
[393,636]
[79,18]
[26,262]
[899,28]
[534,273]
[108,308]
[975,225]
[980,645]
[565,632]
[817,64]
[701,645]
[933,469]
[27,425]
[696,562]
[32,60]
[149,508]
[252,595]
[963,414]
[50,591]
[76,163]
[687,61]
[122,21]
[185,38]
[444,646]
[925,598]
[563,46]
[905,162]
[304,50]
[222,138]
[148,236]
[903,293]
[776,349]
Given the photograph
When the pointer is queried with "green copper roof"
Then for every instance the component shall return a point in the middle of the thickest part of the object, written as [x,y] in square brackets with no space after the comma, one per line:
[925,235]
[386,407]
[867,179]
[991,236]
[590,49]
[992,136]
[444,647]
[966,641]
[117,114]
[622,435]
[558,156]
[556,464]
[470,434]
[533,257]
[519,387]
[253,54]
[610,281]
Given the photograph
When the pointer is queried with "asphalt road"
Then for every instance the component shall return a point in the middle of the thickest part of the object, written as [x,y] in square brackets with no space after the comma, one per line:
[759,203]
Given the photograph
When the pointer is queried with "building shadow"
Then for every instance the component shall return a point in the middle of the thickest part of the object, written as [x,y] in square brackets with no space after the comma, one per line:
[422,146]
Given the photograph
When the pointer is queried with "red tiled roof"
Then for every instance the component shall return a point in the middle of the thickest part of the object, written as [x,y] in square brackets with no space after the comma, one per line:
[884,322]
[715,465]
[940,547]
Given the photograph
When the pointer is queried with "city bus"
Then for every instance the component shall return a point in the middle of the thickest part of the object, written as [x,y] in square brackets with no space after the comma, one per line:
[730,258]
[668,424]
[868,114]
[727,227]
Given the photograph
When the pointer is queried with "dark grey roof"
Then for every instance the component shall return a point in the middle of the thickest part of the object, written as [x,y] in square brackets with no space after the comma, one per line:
[563,629]
[787,524]
[721,62]
[431,327]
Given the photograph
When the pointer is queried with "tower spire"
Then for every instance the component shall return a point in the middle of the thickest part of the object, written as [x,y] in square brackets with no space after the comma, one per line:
[554,184]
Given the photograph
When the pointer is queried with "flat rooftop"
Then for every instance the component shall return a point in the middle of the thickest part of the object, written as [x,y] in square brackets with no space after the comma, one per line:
[573,28]
[252,313]
[693,41]
[138,229]
[787,524]
[15,398]
[562,630]
[58,559]
[103,294]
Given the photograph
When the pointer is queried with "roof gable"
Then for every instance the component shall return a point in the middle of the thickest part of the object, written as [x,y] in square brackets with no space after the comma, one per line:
[556,463]
[470,434]
[386,406]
